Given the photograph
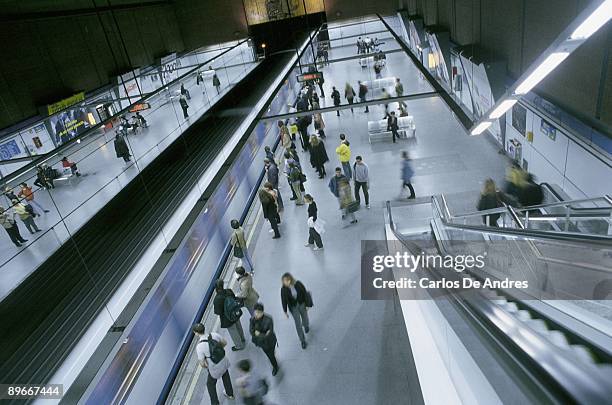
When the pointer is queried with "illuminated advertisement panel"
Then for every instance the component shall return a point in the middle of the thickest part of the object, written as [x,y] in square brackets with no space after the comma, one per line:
[263,11]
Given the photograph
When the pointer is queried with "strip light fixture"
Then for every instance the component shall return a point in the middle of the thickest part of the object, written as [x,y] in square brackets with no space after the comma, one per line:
[595,21]
[502,108]
[548,65]
[590,20]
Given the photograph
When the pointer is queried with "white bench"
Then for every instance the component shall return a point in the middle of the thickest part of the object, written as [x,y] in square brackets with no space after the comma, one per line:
[66,176]
[377,130]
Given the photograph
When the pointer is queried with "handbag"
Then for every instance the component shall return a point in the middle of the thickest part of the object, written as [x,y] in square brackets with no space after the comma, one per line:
[309,303]
[238,252]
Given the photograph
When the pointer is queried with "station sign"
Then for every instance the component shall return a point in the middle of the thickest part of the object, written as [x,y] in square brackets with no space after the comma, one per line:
[305,77]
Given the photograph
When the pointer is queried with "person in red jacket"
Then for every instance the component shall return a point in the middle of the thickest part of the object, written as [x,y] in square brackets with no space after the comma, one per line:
[73,167]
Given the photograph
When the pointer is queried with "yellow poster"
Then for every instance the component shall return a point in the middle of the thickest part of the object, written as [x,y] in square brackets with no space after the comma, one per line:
[262,11]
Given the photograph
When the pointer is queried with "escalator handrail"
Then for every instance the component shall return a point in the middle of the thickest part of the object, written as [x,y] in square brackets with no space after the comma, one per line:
[573,378]
[563,236]
[560,198]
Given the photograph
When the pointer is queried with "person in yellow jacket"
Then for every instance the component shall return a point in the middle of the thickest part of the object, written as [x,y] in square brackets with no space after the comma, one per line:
[344,155]
[26,213]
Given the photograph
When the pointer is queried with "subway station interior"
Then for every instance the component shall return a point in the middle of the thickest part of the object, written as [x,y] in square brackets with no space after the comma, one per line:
[301,202]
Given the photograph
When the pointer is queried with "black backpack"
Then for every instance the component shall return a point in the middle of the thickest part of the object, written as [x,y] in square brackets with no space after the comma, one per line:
[217,352]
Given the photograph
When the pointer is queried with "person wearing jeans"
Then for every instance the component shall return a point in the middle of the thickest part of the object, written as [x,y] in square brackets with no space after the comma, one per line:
[10,225]
[26,216]
[362,179]
[293,298]
[344,156]
[215,370]
[27,194]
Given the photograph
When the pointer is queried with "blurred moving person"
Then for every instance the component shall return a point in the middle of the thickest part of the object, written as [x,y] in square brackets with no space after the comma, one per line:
[293,298]
[407,174]
[252,388]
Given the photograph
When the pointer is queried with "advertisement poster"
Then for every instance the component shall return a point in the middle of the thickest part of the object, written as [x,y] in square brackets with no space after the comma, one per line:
[415,40]
[548,129]
[519,118]
[37,139]
[483,97]
[169,68]
[262,11]
[9,149]
[437,63]
[129,88]
[68,124]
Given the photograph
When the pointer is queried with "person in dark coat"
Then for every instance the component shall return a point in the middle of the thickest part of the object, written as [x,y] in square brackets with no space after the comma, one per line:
[407,174]
[184,105]
[490,199]
[293,299]
[313,235]
[318,155]
[270,211]
[263,336]
[531,193]
[363,91]
[121,148]
[234,328]
[271,172]
[392,125]
[336,97]
[216,82]
[185,92]
[303,124]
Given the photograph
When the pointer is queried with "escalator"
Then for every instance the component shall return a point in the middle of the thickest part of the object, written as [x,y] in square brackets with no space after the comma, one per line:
[49,312]
[552,342]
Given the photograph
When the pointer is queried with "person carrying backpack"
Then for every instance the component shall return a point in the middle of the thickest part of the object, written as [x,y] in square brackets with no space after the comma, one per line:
[228,307]
[211,355]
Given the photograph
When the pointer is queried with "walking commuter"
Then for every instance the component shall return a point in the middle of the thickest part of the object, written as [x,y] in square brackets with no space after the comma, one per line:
[228,307]
[319,124]
[288,160]
[321,80]
[377,70]
[399,91]
[349,94]
[211,356]
[262,332]
[239,245]
[392,125]
[489,199]
[73,166]
[270,211]
[246,292]
[184,105]
[216,82]
[295,179]
[318,155]
[185,92]
[283,131]
[385,95]
[360,46]
[10,226]
[340,187]
[315,226]
[199,78]
[531,193]
[121,148]
[344,155]
[363,91]
[294,298]
[362,180]
[252,389]
[336,97]
[407,174]
[26,214]
[27,194]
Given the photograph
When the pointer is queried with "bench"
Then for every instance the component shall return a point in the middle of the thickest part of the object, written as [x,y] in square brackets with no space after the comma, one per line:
[66,176]
[377,130]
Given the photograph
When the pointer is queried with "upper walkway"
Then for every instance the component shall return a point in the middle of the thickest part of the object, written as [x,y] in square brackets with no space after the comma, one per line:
[76,200]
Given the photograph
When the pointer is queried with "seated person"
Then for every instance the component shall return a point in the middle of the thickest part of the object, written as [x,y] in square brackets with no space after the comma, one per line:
[141,120]
[73,167]
[50,174]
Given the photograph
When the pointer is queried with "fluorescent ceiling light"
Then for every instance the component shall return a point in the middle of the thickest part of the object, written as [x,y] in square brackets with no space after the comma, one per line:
[595,21]
[547,66]
[502,108]
[481,127]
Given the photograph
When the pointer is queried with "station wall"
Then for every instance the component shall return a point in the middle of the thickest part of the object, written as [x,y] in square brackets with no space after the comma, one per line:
[517,31]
